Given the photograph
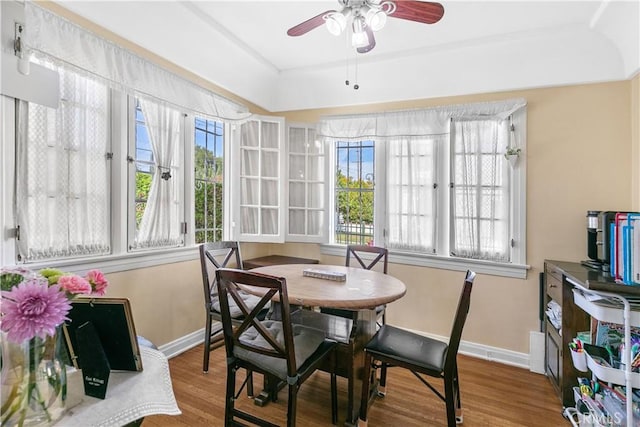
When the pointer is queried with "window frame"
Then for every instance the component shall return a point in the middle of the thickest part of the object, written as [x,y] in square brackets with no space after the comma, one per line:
[322,237]
[183,154]
[260,237]
[192,177]
[516,268]
[378,198]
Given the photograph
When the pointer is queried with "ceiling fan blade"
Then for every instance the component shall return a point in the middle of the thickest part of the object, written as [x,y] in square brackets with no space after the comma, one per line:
[418,11]
[309,24]
[372,41]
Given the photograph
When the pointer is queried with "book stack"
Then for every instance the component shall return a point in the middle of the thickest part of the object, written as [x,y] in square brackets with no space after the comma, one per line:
[625,248]
[325,274]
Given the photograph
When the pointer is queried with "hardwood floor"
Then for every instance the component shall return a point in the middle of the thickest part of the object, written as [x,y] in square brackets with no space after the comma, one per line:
[492,394]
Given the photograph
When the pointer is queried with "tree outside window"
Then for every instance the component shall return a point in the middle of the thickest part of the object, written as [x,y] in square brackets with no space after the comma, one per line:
[354,192]
[208,174]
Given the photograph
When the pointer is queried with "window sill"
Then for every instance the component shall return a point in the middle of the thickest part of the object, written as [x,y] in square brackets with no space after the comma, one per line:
[120,262]
[516,271]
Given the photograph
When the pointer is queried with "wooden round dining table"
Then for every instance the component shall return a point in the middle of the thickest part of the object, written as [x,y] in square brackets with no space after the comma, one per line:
[361,289]
[361,292]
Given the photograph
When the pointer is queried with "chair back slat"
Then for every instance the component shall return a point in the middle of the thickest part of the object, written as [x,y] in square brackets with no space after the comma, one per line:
[227,282]
[355,250]
[215,255]
[460,319]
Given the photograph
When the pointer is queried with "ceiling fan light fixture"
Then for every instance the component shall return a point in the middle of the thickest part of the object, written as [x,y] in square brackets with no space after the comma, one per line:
[336,23]
[359,38]
[376,19]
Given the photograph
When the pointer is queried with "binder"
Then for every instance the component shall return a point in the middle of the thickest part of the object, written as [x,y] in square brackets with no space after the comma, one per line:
[619,223]
[634,248]
[625,248]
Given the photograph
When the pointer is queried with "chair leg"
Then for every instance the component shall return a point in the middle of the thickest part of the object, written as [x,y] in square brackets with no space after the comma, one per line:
[230,397]
[207,345]
[450,400]
[382,387]
[334,399]
[291,406]
[334,388]
[456,382]
[364,401]
[249,383]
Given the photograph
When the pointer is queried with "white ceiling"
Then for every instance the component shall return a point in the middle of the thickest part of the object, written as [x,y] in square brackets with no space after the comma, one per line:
[478,46]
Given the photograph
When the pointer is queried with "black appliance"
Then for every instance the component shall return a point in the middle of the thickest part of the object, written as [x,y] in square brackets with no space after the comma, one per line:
[599,239]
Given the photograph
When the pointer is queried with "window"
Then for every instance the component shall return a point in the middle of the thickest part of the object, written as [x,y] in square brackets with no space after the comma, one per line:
[63,173]
[443,193]
[261,180]
[158,187]
[412,193]
[144,165]
[208,180]
[354,192]
[480,196]
[306,177]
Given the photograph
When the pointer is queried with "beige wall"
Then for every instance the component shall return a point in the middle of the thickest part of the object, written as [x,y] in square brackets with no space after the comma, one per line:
[583,152]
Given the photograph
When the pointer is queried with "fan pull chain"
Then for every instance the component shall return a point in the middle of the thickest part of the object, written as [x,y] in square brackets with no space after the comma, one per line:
[356,86]
[346,81]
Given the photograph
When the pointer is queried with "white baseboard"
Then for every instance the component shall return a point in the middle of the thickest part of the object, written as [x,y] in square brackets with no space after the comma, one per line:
[494,354]
[182,344]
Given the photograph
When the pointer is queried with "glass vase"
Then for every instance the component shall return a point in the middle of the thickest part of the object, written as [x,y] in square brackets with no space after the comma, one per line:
[33,381]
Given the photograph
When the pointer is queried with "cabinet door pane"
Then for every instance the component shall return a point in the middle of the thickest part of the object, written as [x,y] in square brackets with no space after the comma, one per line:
[270,166]
[297,195]
[297,141]
[296,167]
[316,196]
[249,135]
[269,193]
[250,162]
[316,168]
[249,220]
[269,221]
[249,188]
[270,137]
[296,221]
[314,223]
[314,146]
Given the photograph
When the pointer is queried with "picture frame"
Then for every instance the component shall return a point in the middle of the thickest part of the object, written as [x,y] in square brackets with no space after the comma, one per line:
[113,323]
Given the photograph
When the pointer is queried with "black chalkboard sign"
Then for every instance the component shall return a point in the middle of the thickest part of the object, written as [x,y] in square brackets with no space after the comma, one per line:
[113,323]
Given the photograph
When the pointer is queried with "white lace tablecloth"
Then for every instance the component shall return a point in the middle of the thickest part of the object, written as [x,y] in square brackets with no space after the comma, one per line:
[130,395]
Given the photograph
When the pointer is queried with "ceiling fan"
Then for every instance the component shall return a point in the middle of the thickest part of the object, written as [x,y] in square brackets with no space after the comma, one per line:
[367,16]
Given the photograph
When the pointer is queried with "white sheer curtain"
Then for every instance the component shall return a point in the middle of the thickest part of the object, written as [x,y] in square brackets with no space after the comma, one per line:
[160,224]
[412,139]
[411,193]
[62,173]
[55,36]
[480,195]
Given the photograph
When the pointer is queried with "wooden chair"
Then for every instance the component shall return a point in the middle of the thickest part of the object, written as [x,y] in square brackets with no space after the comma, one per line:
[422,356]
[216,255]
[382,254]
[355,250]
[280,349]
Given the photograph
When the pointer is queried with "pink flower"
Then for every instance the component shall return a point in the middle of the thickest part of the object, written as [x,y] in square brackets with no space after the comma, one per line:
[33,308]
[98,282]
[74,284]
